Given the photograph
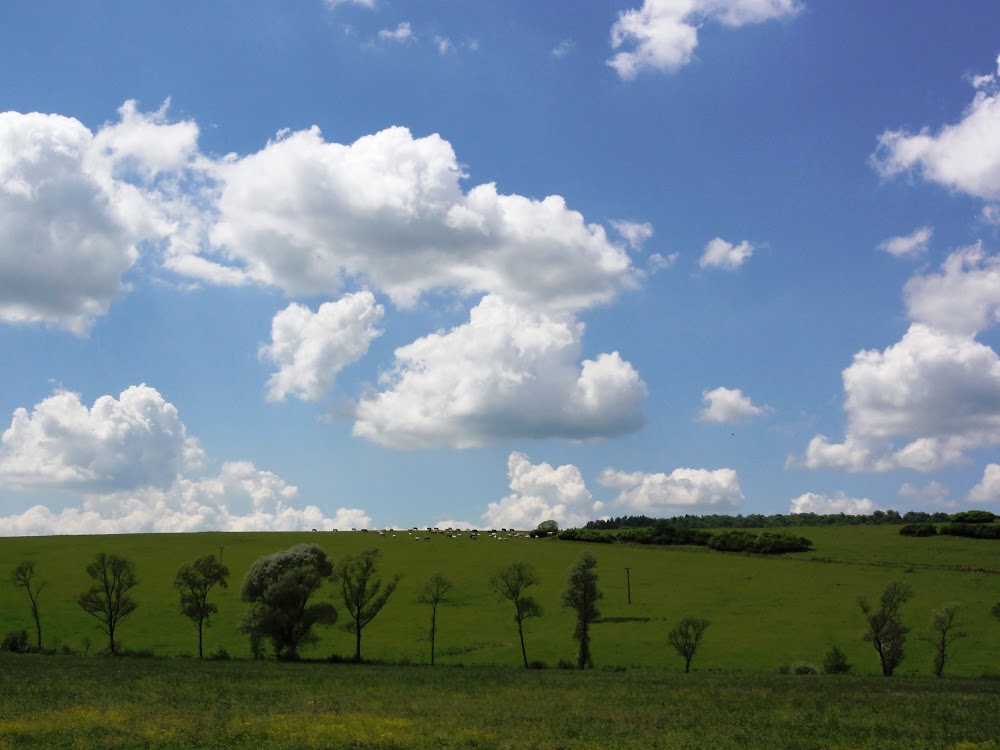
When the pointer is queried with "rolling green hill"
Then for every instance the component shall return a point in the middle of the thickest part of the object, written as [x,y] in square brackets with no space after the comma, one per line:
[765,611]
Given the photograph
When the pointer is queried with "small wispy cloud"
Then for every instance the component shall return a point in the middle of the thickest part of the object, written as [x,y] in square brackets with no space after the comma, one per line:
[563,48]
[400,34]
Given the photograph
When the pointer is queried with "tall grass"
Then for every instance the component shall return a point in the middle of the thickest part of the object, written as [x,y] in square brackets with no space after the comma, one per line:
[122,703]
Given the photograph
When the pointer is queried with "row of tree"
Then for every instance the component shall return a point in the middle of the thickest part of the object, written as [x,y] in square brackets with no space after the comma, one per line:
[778,520]
[280,589]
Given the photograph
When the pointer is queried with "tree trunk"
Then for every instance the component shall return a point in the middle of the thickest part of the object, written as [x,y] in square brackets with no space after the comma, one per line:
[357,646]
[200,655]
[433,629]
[524,654]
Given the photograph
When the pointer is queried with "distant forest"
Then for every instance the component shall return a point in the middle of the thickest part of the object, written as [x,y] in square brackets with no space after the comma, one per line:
[778,520]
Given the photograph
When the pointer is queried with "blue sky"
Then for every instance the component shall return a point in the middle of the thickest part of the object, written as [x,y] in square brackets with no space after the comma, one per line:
[370,263]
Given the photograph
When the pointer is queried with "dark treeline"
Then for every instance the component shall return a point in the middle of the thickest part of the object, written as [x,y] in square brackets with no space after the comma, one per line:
[777,520]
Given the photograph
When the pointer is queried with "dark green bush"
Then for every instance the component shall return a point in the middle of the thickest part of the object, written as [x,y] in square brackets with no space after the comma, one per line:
[761,543]
[918,529]
[835,662]
[15,642]
[973,530]
[804,667]
[973,516]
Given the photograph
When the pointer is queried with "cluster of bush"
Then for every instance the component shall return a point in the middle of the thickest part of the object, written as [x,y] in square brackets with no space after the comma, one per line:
[777,520]
[976,524]
[663,532]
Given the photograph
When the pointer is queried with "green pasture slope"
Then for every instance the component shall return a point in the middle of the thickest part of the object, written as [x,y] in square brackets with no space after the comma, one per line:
[765,611]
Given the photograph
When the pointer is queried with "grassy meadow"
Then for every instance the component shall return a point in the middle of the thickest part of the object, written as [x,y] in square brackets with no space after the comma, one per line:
[765,611]
[71,702]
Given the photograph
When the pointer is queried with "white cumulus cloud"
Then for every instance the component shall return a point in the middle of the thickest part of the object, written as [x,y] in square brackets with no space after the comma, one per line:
[311,348]
[729,405]
[987,491]
[963,156]
[964,297]
[541,493]
[133,467]
[389,211]
[810,502]
[725,255]
[634,232]
[240,498]
[681,491]
[936,392]
[908,246]
[508,373]
[75,206]
[133,441]
[662,35]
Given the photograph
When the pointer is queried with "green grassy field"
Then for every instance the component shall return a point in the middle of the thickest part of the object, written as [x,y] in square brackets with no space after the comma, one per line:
[765,611]
[49,702]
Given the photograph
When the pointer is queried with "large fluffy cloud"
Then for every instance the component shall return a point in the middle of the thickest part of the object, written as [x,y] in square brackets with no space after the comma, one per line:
[963,156]
[75,204]
[132,441]
[987,491]
[963,297]
[311,348]
[662,34]
[924,401]
[680,491]
[541,493]
[134,468]
[810,502]
[389,209]
[240,498]
[937,392]
[729,405]
[507,373]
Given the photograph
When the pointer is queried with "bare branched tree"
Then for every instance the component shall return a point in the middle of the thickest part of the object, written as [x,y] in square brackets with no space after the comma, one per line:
[23,577]
[510,584]
[108,599]
[686,637]
[363,591]
[434,593]
[942,633]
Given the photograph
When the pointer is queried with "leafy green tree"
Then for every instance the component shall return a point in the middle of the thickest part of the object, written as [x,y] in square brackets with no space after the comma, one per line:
[108,599]
[686,637]
[546,526]
[886,631]
[995,610]
[194,582]
[23,577]
[278,588]
[510,584]
[363,591]
[433,593]
[942,633]
[581,595]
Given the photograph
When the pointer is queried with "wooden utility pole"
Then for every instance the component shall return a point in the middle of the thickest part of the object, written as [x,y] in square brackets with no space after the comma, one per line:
[628,583]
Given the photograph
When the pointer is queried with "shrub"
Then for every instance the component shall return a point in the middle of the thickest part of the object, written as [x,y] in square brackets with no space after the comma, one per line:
[804,667]
[220,654]
[972,530]
[784,669]
[565,664]
[835,662]
[761,543]
[974,516]
[537,664]
[918,529]
[15,642]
